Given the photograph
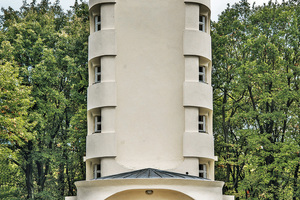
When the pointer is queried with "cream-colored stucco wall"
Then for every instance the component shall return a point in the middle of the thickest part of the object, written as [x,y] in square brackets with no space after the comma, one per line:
[149,96]
[150,75]
[195,189]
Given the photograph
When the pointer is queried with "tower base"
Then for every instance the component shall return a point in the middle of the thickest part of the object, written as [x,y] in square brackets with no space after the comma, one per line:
[150,184]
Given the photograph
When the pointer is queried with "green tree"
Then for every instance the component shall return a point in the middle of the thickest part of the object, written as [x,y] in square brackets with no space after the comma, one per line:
[15,100]
[256,77]
[50,55]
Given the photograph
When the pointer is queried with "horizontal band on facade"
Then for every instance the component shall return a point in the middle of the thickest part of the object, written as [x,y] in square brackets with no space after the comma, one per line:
[197,43]
[102,43]
[203,2]
[100,145]
[102,94]
[104,189]
[95,2]
[197,94]
[200,145]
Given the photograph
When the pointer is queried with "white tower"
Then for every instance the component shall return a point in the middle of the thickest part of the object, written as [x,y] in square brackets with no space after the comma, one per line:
[150,102]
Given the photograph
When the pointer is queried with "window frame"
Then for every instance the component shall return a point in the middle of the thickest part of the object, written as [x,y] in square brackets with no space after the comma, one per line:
[97,171]
[97,123]
[202,74]
[203,123]
[97,22]
[203,171]
[202,23]
[98,73]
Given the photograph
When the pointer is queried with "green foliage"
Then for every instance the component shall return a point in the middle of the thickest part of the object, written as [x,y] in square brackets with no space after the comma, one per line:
[15,100]
[256,96]
[43,87]
[43,81]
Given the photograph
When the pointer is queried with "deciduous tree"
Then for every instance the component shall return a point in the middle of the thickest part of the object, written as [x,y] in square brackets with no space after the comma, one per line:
[256,73]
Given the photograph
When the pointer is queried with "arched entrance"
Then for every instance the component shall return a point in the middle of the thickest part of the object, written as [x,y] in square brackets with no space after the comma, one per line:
[149,194]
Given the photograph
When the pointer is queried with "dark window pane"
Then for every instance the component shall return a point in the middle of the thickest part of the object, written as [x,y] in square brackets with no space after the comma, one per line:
[201,127]
[200,118]
[200,167]
[201,18]
[201,78]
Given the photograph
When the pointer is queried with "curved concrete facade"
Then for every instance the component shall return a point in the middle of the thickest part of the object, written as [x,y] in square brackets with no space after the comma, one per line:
[102,43]
[102,95]
[102,91]
[198,145]
[197,91]
[197,43]
[202,2]
[98,2]
[100,145]
[106,189]
[198,95]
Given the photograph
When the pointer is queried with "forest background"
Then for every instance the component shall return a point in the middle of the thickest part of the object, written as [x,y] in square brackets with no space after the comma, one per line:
[44,79]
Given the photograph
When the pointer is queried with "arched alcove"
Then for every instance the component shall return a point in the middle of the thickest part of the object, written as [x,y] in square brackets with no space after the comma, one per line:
[147,194]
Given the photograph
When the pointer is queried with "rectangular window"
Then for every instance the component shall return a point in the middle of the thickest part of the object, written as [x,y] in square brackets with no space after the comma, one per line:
[201,123]
[97,23]
[202,21]
[202,74]
[97,74]
[98,124]
[97,171]
[202,171]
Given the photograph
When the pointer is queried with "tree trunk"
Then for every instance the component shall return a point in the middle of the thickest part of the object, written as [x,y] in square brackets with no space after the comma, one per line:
[29,171]
[295,197]
[61,177]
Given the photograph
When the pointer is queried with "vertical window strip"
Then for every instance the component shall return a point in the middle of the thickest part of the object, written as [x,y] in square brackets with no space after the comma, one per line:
[202,23]
[202,171]
[98,124]
[97,74]
[201,123]
[202,74]
[97,171]
[97,23]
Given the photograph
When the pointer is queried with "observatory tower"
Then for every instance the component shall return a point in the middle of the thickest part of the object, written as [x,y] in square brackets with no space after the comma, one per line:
[149,102]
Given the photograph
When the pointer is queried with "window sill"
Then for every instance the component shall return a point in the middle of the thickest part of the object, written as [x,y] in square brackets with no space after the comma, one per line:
[96,132]
[203,82]
[202,132]
[96,82]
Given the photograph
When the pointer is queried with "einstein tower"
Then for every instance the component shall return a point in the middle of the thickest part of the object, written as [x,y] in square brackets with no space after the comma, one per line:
[149,102]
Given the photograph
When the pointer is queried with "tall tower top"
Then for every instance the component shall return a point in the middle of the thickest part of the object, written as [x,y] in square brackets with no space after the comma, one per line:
[146,60]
